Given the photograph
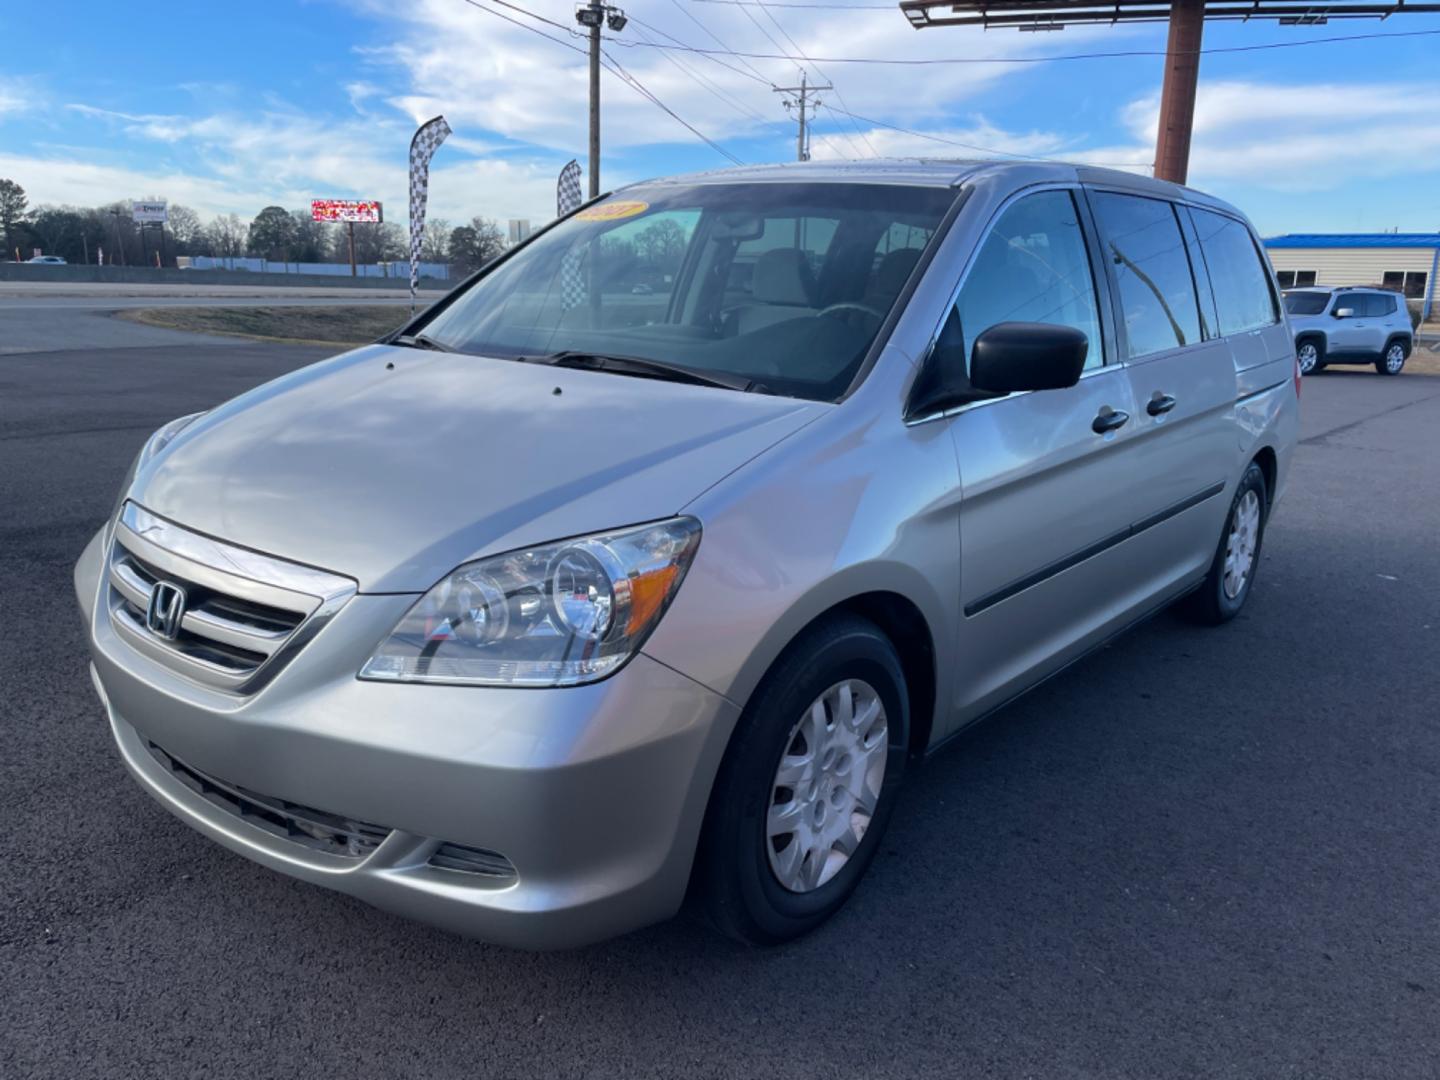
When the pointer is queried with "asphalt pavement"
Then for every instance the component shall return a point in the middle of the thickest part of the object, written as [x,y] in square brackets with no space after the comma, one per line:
[78,316]
[1205,853]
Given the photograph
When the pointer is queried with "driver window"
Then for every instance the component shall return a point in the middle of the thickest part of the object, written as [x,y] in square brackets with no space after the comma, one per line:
[1033,267]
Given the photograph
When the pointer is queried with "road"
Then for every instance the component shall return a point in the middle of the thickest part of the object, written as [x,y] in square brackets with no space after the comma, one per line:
[79,316]
[1197,853]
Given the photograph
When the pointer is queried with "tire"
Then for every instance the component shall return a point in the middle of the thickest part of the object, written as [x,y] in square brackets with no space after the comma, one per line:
[1214,602]
[1393,361]
[1310,352]
[736,877]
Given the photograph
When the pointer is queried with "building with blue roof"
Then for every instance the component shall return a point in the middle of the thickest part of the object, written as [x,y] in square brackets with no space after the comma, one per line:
[1405,262]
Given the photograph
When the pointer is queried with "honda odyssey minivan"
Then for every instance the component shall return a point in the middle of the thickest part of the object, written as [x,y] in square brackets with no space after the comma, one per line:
[574,598]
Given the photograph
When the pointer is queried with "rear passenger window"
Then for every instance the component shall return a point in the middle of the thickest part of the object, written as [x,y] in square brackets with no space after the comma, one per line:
[1033,267]
[1243,295]
[1157,291]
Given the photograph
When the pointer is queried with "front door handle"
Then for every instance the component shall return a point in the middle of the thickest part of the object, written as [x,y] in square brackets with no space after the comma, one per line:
[1160,404]
[1108,420]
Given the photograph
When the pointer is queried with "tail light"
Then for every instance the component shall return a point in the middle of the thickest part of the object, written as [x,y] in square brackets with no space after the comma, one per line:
[1298,376]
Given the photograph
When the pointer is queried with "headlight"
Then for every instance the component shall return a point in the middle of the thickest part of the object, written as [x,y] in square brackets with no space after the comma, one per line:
[558,615]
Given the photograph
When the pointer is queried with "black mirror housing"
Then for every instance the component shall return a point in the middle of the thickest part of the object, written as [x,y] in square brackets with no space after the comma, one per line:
[1014,356]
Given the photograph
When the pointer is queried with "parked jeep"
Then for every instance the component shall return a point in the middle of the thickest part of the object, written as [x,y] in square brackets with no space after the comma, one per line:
[1349,325]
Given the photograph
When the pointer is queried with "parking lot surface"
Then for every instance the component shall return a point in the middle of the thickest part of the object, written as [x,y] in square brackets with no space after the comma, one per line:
[1196,853]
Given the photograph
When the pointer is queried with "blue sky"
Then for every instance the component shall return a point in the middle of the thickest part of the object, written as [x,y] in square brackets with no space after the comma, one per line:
[228,108]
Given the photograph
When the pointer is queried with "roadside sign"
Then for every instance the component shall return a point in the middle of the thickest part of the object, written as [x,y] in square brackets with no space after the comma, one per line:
[351,210]
[149,213]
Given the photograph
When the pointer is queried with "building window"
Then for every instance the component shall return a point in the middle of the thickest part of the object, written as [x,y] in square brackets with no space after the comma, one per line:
[1295,279]
[1409,282]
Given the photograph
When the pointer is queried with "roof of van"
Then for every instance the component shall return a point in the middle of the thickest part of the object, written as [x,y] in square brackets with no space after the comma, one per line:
[935,172]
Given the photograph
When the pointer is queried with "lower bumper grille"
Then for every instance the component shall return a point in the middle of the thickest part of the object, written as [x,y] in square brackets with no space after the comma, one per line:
[320,830]
[314,829]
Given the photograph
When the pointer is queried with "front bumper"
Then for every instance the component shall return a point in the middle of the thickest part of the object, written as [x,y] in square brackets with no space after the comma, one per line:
[594,793]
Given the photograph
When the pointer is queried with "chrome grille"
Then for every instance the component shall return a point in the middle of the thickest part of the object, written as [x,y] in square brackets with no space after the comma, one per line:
[243,615]
[304,825]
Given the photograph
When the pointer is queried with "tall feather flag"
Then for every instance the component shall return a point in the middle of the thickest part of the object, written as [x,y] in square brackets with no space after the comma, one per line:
[427,140]
[567,198]
[567,189]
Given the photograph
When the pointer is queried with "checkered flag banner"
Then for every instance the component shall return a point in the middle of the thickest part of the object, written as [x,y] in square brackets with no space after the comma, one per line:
[422,148]
[567,198]
[567,189]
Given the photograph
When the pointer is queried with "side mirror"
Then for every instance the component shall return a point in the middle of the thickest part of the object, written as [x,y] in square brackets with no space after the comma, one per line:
[1344,313]
[1015,356]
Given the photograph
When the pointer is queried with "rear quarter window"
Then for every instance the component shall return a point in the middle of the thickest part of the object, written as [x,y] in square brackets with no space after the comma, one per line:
[1142,242]
[1244,298]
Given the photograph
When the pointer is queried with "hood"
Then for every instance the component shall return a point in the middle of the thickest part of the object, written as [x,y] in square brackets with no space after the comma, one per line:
[396,475]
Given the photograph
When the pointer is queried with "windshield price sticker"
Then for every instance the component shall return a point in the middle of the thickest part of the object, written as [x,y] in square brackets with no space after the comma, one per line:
[613,211]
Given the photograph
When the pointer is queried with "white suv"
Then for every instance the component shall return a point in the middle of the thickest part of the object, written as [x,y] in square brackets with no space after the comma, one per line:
[1345,325]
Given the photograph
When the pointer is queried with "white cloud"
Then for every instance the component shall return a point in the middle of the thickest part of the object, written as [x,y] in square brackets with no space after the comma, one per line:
[482,71]
[16,96]
[1302,137]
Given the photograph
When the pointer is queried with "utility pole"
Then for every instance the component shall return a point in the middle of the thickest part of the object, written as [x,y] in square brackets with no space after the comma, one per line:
[593,16]
[802,100]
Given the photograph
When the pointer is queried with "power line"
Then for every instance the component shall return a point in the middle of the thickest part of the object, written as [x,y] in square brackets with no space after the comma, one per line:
[616,70]
[619,70]
[714,37]
[1118,55]
[792,4]
[702,81]
[823,77]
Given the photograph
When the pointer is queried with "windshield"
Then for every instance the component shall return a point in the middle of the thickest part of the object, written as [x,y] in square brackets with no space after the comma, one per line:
[1306,303]
[785,285]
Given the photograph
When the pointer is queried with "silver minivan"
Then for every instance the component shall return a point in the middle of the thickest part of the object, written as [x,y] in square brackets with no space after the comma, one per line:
[575,597]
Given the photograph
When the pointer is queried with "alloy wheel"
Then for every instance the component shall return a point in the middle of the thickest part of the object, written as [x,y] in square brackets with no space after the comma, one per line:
[1394,358]
[1309,356]
[827,785]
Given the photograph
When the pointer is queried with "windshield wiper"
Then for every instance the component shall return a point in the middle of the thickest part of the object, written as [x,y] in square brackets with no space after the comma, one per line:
[421,341]
[646,368]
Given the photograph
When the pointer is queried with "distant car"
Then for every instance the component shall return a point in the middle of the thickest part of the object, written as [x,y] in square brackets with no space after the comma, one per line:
[642,290]
[1348,325]
[47,260]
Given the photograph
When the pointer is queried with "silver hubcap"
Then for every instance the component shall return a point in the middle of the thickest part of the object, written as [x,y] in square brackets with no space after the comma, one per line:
[1394,358]
[827,785]
[1240,544]
[1308,356]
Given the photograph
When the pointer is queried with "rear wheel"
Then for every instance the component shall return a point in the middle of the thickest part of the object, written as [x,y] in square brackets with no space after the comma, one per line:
[807,785]
[1310,355]
[1237,557]
[1393,360]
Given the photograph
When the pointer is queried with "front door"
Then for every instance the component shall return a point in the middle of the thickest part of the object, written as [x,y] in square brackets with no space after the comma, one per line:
[1045,475]
[1349,336]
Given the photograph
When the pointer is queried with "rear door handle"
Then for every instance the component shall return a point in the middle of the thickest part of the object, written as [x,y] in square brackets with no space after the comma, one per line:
[1108,420]
[1160,404]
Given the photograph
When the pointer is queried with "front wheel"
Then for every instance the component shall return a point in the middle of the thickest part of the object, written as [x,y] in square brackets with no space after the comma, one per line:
[1393,360]
[807,785]
[1232,571]
[1308,353]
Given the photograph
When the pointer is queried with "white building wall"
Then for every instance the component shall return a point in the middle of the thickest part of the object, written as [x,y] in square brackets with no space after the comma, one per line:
[1359,266]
